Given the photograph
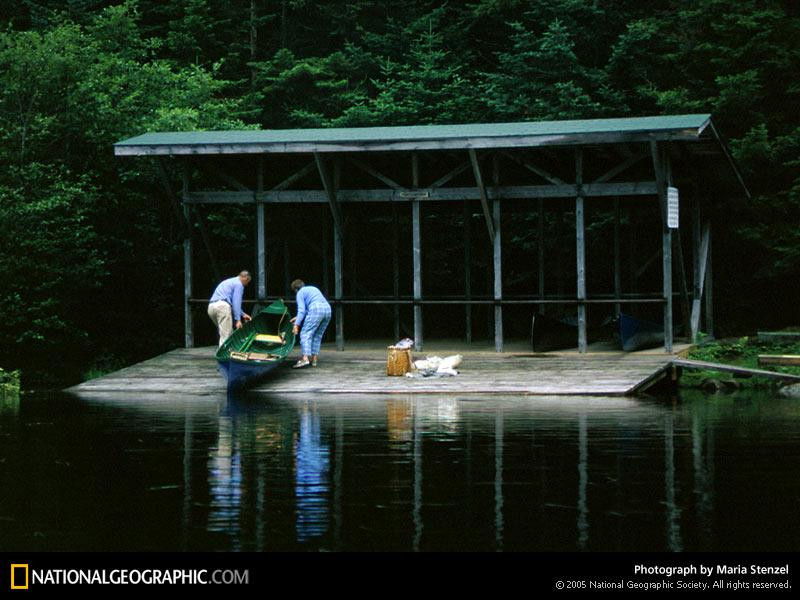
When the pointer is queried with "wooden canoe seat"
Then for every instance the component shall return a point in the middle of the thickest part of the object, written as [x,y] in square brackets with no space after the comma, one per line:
[254,356]
[269,338]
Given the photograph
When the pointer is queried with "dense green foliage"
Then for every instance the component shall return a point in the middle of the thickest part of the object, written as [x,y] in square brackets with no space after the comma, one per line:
[90,246]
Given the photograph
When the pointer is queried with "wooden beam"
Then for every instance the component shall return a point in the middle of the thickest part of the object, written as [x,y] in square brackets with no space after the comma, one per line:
[746,371]
[188,324]
[497,261]
[375,173]
[396,271]
[580,252]
[261,233]
[540,250]
[660,166]
[326,279]
[229,179]
[709,286]
[683,287]
[337,287]
[181,220]
[520,192]
[782,360]
[617,258]
[171,196]
[450,175]
[416,242]
[330,192]
[701,244]
[534,169]
[468,270]
[215,270]
[476,169]
[623,166]
[307,170]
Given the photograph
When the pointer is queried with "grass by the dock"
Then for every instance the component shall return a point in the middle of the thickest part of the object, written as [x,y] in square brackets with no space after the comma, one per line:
[741,352]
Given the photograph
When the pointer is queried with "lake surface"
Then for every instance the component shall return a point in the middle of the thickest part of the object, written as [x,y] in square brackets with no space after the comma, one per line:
[696,472]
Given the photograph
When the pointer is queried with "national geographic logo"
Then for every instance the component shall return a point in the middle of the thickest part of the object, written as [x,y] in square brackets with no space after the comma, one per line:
[19,576]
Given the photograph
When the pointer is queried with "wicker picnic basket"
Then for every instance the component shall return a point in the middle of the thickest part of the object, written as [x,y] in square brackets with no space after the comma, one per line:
[398,361]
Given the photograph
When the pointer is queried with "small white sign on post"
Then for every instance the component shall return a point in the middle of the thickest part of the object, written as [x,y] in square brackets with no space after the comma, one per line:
[673,215]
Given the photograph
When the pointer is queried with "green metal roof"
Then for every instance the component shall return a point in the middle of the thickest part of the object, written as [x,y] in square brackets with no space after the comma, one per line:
[477,135]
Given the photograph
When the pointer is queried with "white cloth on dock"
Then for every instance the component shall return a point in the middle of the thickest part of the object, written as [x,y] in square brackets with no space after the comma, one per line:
[440,367]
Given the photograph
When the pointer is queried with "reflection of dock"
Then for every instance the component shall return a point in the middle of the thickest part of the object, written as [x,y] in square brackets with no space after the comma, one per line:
[194,371]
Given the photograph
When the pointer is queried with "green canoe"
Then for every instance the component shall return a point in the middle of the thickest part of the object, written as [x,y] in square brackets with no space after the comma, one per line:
[257,348]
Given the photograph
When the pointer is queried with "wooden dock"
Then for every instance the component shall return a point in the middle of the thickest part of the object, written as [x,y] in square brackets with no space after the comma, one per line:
[363,371]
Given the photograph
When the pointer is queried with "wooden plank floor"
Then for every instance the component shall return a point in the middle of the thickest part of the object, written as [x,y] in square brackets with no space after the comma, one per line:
[362,371]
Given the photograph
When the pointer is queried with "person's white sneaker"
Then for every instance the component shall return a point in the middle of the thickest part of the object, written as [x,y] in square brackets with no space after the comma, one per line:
[300,364]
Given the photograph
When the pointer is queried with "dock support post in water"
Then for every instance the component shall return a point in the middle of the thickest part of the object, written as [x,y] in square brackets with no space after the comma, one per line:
[416,240]
[498,261]
[580,251]
[663,180]
[261,232]
[188,328]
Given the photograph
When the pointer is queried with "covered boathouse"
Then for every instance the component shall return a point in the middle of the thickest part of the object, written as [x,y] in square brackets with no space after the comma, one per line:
[626,187]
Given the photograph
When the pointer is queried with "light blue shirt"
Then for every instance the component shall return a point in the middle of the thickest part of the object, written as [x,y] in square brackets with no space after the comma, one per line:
[231,290]
[306,297]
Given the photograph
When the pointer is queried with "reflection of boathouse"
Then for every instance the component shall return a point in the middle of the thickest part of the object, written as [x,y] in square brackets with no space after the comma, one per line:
[514,473]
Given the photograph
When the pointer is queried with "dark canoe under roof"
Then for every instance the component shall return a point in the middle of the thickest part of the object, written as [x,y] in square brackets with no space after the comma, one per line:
[417,137]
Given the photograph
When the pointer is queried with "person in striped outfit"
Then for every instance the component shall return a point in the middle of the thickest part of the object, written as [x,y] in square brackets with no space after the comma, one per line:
[313,316]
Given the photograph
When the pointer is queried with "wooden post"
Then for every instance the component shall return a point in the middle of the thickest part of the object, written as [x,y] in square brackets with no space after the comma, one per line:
[261,233]
[396,270]
[338,225]
[701,238]
[683,286]
[188,325]
[498,262]
[287,274]
[337,291]
[709,286]
[561,253]
[540,242]
[580,252]
[468,270]
[198,219]
[617,270]
[417,255]
[326,276]
[632,251]
[660,166]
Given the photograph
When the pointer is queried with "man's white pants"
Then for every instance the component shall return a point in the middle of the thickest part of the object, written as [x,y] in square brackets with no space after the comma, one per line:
[220,313]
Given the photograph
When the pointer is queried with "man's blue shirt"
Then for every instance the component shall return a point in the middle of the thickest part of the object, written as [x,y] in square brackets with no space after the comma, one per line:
[231,290]
[307,296]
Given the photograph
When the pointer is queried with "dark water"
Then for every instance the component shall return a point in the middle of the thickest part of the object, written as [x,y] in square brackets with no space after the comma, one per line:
[406,473]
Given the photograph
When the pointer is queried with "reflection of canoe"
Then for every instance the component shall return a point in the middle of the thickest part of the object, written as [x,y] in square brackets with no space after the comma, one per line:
[637,334]
[257,348]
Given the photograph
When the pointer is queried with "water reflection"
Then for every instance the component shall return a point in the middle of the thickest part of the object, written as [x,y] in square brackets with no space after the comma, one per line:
[225,480]
[311,476]
[403,473]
